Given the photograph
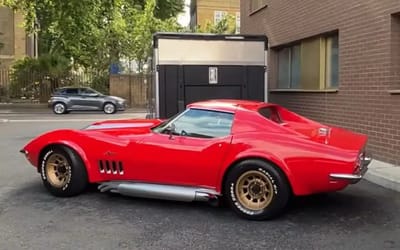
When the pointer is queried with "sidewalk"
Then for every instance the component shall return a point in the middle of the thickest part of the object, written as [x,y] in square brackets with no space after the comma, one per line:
[384,174]
[380,173]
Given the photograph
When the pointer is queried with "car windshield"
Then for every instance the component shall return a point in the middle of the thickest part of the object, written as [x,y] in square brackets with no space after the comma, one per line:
[163,126]
[200,123]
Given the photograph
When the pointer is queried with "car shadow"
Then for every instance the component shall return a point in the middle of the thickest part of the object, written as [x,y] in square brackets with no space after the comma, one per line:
[347,207]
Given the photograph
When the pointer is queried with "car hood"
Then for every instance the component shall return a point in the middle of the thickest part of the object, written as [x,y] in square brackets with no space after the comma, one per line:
[129,126]
[116,98]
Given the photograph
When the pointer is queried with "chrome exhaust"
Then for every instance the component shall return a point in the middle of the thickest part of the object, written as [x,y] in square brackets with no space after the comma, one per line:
[159,191]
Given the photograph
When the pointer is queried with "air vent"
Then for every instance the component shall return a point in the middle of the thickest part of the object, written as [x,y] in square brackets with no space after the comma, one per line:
[111,167]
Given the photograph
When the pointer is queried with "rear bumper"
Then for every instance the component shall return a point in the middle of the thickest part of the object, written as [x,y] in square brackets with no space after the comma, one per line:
[358,174]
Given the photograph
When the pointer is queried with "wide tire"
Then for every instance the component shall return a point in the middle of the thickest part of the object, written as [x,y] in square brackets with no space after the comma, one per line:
[63,172]
[59,108]
[109,108]
[256,190]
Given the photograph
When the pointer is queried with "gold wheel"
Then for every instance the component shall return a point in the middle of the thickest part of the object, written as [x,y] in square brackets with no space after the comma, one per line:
[58,170]
[254,190]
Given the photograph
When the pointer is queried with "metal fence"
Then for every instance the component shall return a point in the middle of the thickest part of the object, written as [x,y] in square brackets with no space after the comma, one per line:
[37,87]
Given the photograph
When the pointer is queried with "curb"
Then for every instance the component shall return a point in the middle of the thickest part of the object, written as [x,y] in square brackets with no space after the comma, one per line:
[384,174]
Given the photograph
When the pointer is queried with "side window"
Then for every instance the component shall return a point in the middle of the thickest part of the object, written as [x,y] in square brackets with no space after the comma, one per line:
[71,91]
[204,123]
[86,91]
[271,113]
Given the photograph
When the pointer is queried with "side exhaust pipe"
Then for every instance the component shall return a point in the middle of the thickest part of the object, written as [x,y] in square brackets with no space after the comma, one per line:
[158,191]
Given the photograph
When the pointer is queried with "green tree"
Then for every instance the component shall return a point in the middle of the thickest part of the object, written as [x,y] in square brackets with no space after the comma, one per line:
[140,35]
[226,25]
[96,33]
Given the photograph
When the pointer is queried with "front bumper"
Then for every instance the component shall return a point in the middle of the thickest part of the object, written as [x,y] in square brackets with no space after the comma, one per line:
[358,174]
[121,106]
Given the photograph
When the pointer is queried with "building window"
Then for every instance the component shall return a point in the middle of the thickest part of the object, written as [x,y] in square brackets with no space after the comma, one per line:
[289,67]
[237,25]
[332,62]
[311,64]
[218,16]
[257,4]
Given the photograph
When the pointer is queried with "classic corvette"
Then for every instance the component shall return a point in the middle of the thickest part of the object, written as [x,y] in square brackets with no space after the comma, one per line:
[253,155]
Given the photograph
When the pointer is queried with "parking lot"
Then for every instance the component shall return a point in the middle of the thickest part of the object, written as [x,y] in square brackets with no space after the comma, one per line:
[364,216]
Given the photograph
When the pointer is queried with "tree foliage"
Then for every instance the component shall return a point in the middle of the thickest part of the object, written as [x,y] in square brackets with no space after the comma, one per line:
[1,44]
[226,25]
[97,33]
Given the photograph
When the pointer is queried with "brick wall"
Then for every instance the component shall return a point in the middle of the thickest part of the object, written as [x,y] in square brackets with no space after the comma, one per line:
[369,63]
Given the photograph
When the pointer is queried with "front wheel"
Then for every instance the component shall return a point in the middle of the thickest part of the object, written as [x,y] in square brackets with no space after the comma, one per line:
[256,190]
[63,172]
[109,108]
[59,108]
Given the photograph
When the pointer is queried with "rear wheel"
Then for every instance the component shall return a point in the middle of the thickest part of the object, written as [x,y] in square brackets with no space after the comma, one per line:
[109,108]
[63,172]
[59,108]
[256,190]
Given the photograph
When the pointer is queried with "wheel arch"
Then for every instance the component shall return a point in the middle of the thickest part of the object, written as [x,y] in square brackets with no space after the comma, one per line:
[72,146]
[283,170]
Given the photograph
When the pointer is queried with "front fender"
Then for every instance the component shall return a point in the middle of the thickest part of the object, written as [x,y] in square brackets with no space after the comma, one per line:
[35,147]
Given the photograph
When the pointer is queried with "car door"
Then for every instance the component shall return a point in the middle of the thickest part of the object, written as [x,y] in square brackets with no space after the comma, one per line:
[90,99]
[72,97]
[189,154]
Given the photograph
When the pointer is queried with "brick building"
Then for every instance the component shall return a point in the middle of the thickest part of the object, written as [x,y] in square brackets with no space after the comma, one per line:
[16,43]
[203,11]
[335,61]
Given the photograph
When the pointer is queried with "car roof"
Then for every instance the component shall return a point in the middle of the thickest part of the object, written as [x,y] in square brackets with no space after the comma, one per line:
[229,105]
[73,87]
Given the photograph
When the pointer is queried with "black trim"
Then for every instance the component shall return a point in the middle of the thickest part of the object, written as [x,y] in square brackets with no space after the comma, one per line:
[197,36]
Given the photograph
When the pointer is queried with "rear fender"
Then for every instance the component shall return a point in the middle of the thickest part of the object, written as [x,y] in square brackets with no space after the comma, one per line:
[252,154]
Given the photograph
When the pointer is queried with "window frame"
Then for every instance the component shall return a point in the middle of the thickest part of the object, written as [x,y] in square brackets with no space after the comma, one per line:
[314,81]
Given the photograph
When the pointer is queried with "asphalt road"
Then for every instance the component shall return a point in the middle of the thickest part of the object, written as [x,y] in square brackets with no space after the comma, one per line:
[364,216]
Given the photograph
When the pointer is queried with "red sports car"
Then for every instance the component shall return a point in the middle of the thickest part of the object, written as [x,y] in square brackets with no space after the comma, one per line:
[255,155]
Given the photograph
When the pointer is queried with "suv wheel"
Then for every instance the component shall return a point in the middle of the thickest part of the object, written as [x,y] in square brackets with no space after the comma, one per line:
[109,108]
[59,108]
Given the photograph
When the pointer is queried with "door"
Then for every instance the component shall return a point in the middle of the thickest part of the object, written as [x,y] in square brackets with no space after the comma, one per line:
[72,95]
[90,99]
[188,150]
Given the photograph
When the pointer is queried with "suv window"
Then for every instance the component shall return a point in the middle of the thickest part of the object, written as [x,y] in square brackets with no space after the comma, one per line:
[271,113]
[87,91]
[71,91]
[204,123]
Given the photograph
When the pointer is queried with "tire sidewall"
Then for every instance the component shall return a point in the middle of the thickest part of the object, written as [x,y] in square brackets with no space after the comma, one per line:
[78,177]
[280,190]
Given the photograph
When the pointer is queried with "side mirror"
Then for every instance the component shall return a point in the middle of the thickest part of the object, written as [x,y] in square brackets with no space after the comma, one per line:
[172,130]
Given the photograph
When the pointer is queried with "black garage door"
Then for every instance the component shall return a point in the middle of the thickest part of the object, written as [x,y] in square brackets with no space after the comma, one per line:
[180,85]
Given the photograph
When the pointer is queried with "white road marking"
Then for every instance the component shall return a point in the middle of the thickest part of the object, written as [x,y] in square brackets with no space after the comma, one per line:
[52,120]
[72,120]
